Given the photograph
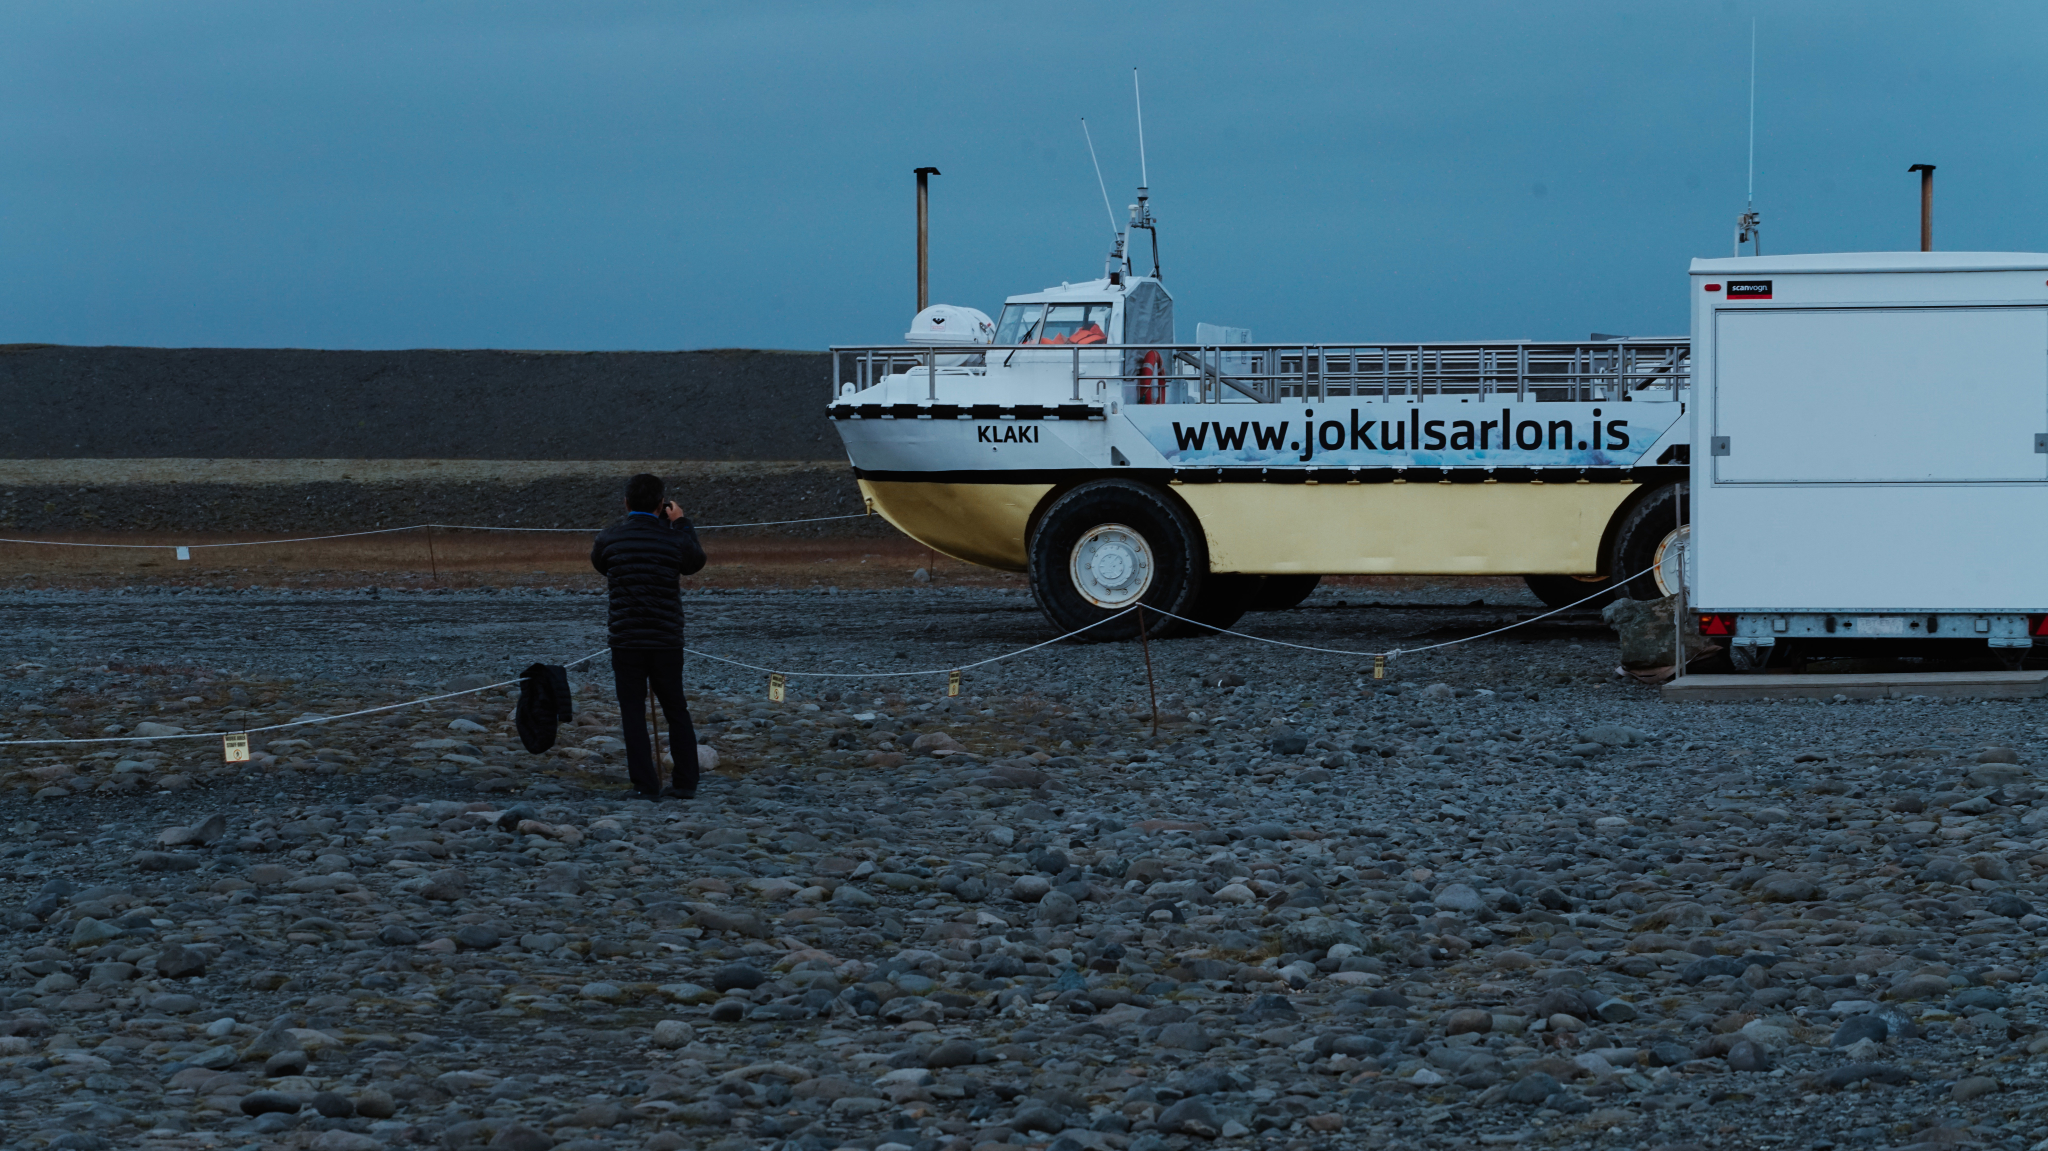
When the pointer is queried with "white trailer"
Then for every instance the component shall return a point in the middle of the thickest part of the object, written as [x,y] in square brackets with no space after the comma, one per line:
[1872,451]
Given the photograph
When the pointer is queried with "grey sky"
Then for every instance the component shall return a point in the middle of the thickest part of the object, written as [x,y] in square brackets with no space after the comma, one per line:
[598,175]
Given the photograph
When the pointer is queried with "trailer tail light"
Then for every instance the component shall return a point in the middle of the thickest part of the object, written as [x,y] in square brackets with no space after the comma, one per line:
[2037,625]
[1713,287]
[1717,625]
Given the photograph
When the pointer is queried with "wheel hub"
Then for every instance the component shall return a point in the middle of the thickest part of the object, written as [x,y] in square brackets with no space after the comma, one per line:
[1669,560]
[1112,566]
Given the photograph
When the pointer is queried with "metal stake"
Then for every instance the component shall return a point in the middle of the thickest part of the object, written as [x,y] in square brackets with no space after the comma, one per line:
[433,563]
[1145,641]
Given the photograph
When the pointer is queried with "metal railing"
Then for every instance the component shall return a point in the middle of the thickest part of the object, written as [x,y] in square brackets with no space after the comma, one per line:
[1275,373]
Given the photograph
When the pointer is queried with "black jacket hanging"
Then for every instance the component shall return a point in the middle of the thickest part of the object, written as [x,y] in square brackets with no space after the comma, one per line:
[544,702]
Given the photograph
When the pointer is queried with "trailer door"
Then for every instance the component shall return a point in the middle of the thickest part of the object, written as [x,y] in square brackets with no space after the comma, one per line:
[1880,395]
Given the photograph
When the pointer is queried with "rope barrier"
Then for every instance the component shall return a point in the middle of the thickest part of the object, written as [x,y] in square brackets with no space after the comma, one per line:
[1392,653]
[1388,654]
[775,675]
[593,655]
[901,674]
[290,723]
[406,528]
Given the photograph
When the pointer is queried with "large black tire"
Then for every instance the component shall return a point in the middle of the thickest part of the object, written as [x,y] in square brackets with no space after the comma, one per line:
[1562,590]
[1223,597]
[1177,554]
[1279,592]
[1642,530]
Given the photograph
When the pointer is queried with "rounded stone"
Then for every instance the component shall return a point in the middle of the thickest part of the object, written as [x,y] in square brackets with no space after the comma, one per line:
[1745,1055]
[475,937]
[1459,897]
[1857,1028]
[737,976]
[333,1105]
[268,1102]
[1470,1020]
[954,1053]
[1533,1088]
[1030,888]
[1971,1087]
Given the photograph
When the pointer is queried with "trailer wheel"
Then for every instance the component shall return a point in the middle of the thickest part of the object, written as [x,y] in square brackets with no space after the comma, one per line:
[1279,592]
[1646,540]
[1563,591]
[1749,659]
[1110,545]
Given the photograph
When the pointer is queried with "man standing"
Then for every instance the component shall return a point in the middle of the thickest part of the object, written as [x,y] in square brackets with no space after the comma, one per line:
[644,557]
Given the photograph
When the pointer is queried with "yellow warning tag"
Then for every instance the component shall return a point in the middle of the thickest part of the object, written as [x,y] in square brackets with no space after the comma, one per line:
[952,683]
[234,747]
[1379,667]
[775,686]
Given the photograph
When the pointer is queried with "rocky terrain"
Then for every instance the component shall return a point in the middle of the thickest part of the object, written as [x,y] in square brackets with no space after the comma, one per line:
[1500,898]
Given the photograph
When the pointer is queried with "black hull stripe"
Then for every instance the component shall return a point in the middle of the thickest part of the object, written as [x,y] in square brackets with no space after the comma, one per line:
[1056,476]
[967,411]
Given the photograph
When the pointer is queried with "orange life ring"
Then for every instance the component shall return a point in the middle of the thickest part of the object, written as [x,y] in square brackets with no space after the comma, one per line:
[1151,388]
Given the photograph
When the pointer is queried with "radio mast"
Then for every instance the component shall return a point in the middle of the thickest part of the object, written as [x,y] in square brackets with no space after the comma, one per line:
[1749,227]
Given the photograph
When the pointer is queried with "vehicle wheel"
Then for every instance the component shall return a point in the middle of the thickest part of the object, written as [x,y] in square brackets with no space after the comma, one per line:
[1112,544]
[1649,537]
[1279,592]
[1223,597]
[1562,590]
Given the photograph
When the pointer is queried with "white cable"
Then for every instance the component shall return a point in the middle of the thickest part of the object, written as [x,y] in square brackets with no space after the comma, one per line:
[901,674]
[698,527]
[239,544]
[1393,652]
[292,723]
[406,528]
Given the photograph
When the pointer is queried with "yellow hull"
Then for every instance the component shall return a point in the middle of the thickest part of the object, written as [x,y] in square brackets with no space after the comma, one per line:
[1324,529]
[985,524]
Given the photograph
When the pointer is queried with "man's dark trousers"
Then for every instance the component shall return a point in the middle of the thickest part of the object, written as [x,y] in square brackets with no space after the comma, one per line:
[634,670]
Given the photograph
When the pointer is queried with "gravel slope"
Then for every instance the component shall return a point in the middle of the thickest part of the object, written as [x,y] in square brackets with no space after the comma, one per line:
[1500,899]
[429,403]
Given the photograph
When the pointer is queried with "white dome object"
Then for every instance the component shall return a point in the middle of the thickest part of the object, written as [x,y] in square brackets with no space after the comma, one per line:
[951,324]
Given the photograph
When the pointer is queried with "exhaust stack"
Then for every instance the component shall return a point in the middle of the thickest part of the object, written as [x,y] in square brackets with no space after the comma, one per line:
[1926,205]
[924,237]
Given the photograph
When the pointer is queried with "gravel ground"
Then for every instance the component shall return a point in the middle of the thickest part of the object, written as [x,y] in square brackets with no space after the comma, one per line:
[1498,899]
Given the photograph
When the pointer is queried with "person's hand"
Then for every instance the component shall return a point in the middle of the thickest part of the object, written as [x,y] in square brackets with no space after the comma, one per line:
[670,508]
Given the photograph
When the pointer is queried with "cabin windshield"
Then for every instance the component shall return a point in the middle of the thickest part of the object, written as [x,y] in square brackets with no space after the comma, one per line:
[1076,324]
[1020,323]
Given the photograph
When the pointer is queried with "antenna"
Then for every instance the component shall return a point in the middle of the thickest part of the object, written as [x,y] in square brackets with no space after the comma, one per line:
[1144,178]
[1752,112]
[1749,226]
[1117,260]
[1098,178]
[1141,212]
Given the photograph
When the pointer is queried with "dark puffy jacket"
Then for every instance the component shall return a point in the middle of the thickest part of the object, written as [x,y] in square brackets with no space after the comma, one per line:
[643,558]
